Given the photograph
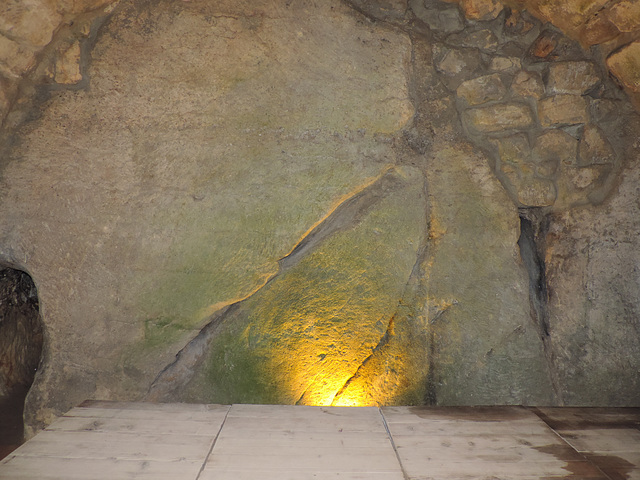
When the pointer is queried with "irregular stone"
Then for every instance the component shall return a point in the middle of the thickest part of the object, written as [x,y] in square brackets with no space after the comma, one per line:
[544,45]
[32,21]
[383,9]
[605,109]
[516,24]
[598,29]
[572,77]
[484,40]
[583,177]
[536,192]
[482,9]
[15,59]
[515,150]
[551,45]
[505,64]
[570,15]
[528,84]
[68,65]
[444,20]
[625,66]
[498,118]
[184,210]
[563,110]
[511,174]
[482,89]
[625,15]
[456,64]
[555,147]
[594,148]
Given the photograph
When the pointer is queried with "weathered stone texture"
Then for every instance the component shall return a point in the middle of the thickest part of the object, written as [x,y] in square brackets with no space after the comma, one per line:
[528,84]
[154,198]
[625,15]
[572,77]
[478,327]
[31,21]
[592,263]
[501,117]
[67,68]
[594,147]
[563,110]
[482,89]
[482,9]
[625,65]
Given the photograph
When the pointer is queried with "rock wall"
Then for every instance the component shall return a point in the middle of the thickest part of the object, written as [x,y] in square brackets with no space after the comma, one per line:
[323,203]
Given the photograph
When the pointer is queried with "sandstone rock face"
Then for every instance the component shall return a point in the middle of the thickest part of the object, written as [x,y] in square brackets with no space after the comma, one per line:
[331,202]
[172,187]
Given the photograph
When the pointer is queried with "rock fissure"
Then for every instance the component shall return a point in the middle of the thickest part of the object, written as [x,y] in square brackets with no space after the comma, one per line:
[384,341]
[345,215]
[534,228]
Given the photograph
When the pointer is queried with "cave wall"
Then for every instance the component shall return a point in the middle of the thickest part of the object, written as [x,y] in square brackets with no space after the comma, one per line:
[321,203]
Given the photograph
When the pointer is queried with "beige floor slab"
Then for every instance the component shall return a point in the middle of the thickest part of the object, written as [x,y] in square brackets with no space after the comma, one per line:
[303,442]
[105,440]
[108,440]
[477,443]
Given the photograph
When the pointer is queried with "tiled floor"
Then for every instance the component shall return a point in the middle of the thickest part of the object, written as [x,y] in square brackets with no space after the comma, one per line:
[102,440]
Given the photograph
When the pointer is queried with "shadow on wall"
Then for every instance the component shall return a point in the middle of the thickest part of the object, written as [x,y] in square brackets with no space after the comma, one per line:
[20,351]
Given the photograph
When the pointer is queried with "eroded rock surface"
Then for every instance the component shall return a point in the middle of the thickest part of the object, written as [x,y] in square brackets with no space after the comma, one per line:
[324,203]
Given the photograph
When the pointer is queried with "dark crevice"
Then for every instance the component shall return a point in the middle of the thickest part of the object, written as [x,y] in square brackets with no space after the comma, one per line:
[534,225]
[21,340]
[346,215]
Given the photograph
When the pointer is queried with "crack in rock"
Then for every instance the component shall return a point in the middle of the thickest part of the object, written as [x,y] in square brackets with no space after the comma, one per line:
[384,341]
[534,226]
[346,215]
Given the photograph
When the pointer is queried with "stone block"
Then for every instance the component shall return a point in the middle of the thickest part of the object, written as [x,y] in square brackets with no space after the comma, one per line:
[528,84]
[456,64]
[555,147]
[572,77]
[484,40]
[625,15]
[68,65]
[595,148]
[15,59]
[515,24]
[505,64]
[447,20]
[32,22]
[482,89]
[537,192]
[514,150]
[498,118]
[563,109]
[625,66]
[582,177]
[481,9]
[598,29]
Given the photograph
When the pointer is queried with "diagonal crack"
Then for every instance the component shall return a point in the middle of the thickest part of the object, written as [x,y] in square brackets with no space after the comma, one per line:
[347,214]
[384,341]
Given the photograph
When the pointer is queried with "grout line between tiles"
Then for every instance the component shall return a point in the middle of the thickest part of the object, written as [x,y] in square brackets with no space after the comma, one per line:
[393,445]
[213,444]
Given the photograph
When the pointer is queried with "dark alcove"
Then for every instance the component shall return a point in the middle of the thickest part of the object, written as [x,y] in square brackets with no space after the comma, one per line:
[20,351]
